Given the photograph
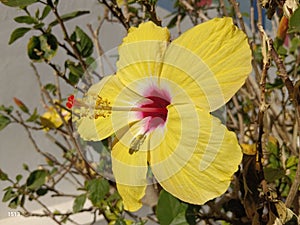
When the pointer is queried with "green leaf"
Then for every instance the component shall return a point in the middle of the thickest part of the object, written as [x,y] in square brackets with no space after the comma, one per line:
[79,203]
[37,13]
[9,194]
[42,47]
[51,88]
[38,26]
[18,33]
[25,19]
[76,71]
[295,44]
[36,179]
[294,25]
[83,42]
[272,174]
[170,210]
[14,203]
[8,110]
[97,189]
[46,12]
[49,45]
[120,221]
[42,191]
[291,161]
[69,16]
[4,121]
[174,20]
[25,167]
[278,83]
[19,177]
[22,202]
[3,176]
[90,61]
[18,3]
[34,116]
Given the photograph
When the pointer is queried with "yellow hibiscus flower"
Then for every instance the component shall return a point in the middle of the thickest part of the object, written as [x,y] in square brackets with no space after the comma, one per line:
[158,106]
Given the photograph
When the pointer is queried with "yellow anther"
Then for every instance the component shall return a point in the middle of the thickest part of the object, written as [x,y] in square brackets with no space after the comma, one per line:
[136,143]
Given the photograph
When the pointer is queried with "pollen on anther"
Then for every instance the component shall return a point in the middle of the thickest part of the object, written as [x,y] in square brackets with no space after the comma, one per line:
[102,108]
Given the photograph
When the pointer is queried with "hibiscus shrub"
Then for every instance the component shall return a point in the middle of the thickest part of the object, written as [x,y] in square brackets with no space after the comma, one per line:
[183,113]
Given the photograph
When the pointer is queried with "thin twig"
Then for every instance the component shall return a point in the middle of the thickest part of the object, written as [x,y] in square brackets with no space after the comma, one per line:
[238,14]
[117,12]
[222,6]
[263,107]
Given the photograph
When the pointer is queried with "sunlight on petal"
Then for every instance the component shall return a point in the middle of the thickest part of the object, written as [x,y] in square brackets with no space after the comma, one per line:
[215,56]
[131,196]
[207,174]
[141,52]
[112,90]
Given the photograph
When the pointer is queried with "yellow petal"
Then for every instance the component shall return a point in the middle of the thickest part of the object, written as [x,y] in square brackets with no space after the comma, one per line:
[110,89]
[120,3]
[147,31]
[51,118]
[211,61]
[195,172]
[130,169]
[249,149]
[131,196]
[141,52]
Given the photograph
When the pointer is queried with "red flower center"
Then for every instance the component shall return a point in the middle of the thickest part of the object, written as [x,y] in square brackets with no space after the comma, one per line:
[155,109]
[159,106]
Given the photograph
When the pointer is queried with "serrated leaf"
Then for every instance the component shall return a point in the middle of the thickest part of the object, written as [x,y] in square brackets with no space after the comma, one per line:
[97,189]
[69,16]
[18,3]
[170,210]
[83,42]
[25,19]
[18,33]
[36,179]
[4,121]
[79,203]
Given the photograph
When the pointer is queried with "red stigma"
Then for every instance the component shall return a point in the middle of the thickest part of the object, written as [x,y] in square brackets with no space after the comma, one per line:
[70,102]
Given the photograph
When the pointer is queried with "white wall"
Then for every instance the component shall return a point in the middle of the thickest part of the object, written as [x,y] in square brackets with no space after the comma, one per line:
[17,80]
